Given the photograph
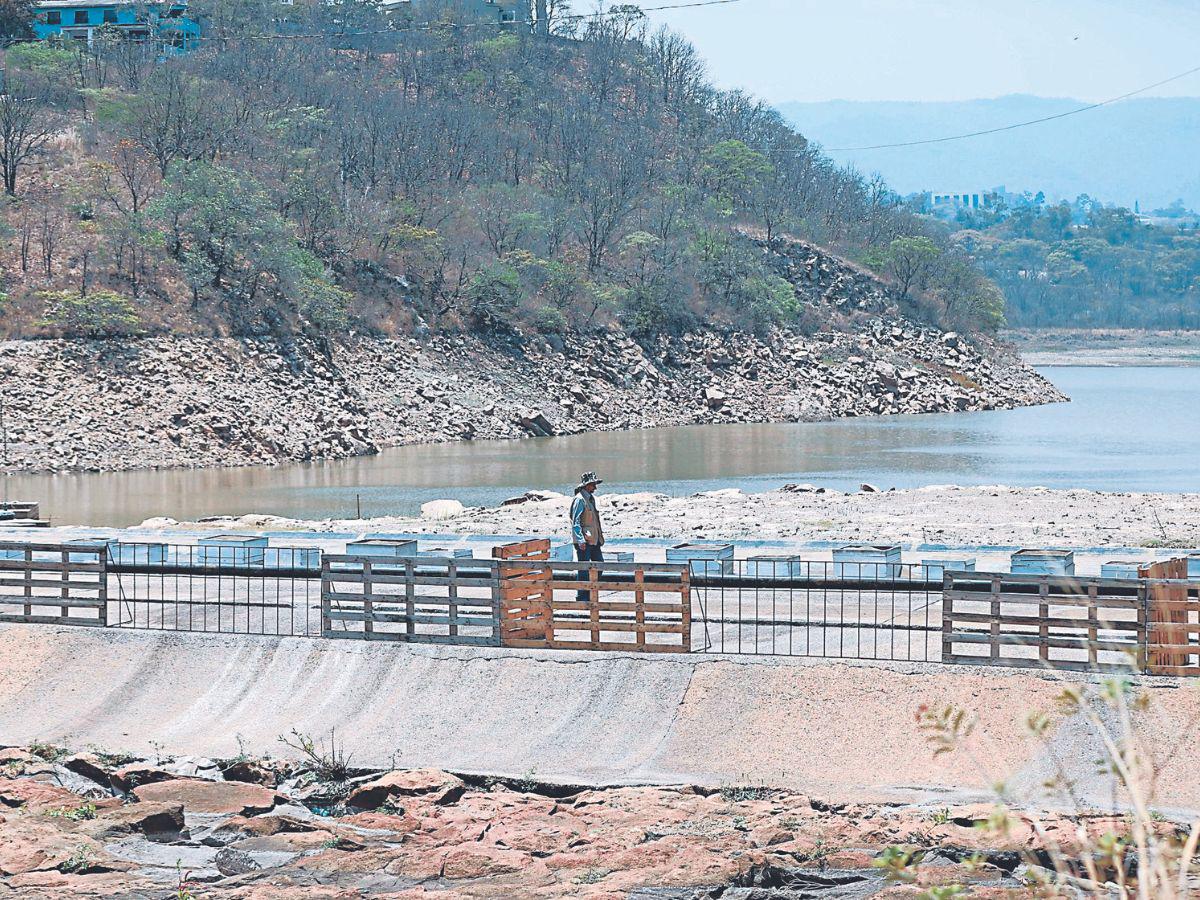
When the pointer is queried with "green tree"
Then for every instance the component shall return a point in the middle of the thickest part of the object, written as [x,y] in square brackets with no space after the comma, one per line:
[493,293]
[910,261]
[226,234]
[734,173]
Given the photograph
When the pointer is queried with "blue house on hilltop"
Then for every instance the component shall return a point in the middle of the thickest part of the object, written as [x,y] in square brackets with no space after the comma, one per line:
[166,24]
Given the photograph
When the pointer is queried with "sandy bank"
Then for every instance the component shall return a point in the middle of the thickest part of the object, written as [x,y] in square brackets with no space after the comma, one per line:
[955,516]
[1106,347]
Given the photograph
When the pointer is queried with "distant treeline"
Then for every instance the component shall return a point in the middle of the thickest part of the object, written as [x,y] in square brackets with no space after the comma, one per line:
[1084,264]
[325,167]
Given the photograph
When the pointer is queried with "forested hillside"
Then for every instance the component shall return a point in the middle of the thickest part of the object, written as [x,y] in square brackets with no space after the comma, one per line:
[343,170]
[1086,265]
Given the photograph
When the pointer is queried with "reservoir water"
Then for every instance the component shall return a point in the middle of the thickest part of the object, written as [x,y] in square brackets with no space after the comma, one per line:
[1135,429]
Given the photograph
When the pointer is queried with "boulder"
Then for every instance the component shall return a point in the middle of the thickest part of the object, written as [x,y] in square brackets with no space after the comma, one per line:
[868,488]
[126,778]
[440,787]
[802,489]
[220,797]
[145,818]
[715,398]
[536,424]
[89,766]
[36,796]
[249,771]
[441,509]
[475,860]
[230,862]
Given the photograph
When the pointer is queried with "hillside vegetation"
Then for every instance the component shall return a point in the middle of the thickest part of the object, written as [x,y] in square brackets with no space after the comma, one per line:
[342,171]
[1087,265]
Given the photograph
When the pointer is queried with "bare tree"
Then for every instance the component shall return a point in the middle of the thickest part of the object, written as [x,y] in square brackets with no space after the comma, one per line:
[26,128]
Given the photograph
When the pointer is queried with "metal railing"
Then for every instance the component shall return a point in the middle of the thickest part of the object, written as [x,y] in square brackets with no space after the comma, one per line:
[231,590]
[783,606]
[799,607]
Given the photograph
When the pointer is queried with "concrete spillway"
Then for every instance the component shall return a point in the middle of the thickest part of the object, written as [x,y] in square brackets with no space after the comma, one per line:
[838,730]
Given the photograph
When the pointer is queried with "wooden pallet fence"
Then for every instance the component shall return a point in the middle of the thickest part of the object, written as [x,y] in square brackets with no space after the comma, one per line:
[1043,621]
[1173,640]
[423,600]
[642,607]
[53,584]
[523,593]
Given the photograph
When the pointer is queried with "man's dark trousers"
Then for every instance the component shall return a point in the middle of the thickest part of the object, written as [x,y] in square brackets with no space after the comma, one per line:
[587,553]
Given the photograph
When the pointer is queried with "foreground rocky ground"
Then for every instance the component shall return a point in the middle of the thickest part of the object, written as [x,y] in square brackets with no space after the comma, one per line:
[101,825]
[945,514]
[172,401]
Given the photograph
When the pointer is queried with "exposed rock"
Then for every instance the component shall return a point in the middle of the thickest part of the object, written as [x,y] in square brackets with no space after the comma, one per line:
[440,787]
[235,862]
[161,401]
[227,797]
[250,771]
[147,818]
[89,766]
[441,509]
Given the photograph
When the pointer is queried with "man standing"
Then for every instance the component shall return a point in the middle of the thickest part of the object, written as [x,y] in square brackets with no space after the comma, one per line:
[586,533]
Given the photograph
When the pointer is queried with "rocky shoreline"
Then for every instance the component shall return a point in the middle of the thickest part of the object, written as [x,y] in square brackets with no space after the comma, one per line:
[100,824]
[190,402]
[199,402]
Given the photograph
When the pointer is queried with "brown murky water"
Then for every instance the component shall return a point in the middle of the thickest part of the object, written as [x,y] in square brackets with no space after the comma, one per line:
[1081,444]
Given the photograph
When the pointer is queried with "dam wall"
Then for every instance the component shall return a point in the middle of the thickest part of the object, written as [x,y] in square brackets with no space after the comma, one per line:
[842,731]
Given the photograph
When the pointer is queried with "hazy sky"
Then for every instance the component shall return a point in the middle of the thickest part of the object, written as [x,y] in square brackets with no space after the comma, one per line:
[945,49]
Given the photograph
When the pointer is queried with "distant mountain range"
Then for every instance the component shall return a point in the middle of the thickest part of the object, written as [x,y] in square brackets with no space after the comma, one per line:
[1144,150]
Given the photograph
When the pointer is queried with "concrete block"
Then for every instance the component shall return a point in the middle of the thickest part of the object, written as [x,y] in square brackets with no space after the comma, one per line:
[293,558]
[936,567]
[704,559]
[1121,569]
[232,550]
[137,553]
[445,553]
[867,561]
[382,548]
[776,567]
[1043,562]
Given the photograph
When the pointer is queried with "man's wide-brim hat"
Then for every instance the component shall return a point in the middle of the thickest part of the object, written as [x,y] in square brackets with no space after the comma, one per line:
[588,478]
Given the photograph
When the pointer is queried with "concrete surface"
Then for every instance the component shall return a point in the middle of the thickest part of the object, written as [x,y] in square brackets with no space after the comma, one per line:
[838,730]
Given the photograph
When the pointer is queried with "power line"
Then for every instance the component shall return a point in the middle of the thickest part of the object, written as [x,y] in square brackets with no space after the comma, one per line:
[434,26]
[1015,125]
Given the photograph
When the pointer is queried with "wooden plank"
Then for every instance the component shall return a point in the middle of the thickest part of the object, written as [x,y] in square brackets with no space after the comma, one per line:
[52,620]
[405,618]
[594,583]
[1044,617]
[53,584]
[96,550]
[1049,621]
[618,606]
[995,623]
[1036,640]
[50,600]
[1052,599]
[628,627]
